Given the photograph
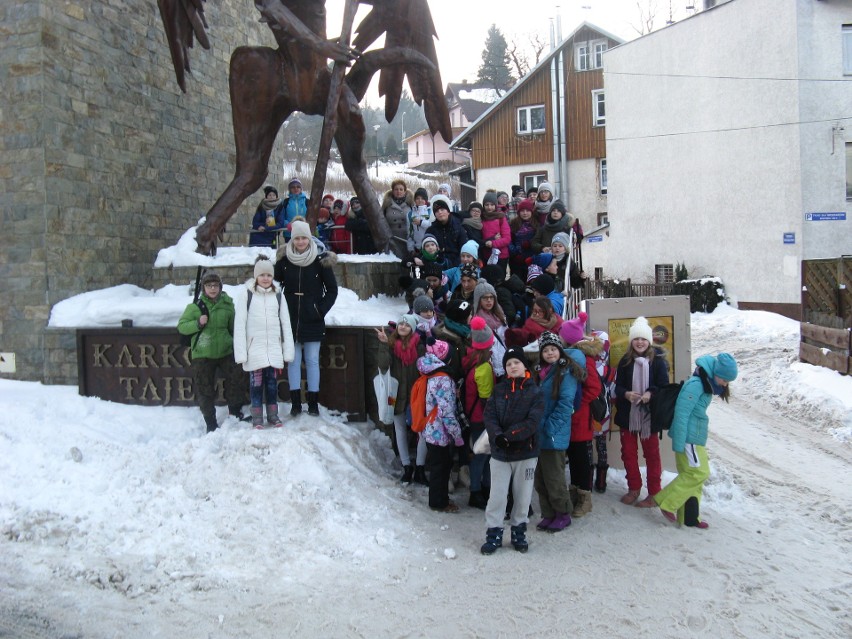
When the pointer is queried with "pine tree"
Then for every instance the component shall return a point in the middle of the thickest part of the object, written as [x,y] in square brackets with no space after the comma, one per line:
[494,69]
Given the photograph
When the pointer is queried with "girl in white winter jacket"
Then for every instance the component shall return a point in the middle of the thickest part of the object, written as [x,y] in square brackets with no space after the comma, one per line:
[263,340]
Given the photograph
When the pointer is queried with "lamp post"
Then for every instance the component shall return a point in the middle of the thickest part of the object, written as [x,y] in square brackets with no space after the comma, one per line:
[376,128]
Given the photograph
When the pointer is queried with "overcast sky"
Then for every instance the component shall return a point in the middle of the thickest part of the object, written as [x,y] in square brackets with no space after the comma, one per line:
[463,24]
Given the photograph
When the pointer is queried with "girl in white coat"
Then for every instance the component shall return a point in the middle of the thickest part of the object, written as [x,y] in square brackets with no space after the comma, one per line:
[263,340]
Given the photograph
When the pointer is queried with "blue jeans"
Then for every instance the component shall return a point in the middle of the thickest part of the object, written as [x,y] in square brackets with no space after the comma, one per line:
[294,368]
[263,379]
[479,470]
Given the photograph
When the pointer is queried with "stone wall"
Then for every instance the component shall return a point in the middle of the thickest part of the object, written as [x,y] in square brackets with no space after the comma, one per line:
[103,161]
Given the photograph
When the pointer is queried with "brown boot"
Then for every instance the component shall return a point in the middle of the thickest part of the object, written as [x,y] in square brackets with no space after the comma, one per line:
[630,498]
[583,506]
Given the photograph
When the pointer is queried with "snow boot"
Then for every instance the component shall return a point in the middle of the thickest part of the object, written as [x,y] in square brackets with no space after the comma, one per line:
[477,500]
[257,416]
[648,502]
[211,423]
[690,515]
[519,538]
[572,493]
[560,522]
[583,505]
[600,478]
[296,401]
[420,476]
[493,541]
[407,474]
[272,416]
[630,497]
[545,523]
[313,403]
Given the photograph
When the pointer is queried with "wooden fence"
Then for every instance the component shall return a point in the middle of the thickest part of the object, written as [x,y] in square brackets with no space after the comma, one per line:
[826,332]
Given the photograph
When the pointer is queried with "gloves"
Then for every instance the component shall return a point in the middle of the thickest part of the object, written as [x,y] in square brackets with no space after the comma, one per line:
[501,442]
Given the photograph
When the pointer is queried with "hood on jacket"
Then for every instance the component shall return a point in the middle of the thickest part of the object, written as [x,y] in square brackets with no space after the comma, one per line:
[590,347]
[429,363]
[328,259]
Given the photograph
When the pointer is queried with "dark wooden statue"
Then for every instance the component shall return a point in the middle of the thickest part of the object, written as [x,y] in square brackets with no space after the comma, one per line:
[268,85]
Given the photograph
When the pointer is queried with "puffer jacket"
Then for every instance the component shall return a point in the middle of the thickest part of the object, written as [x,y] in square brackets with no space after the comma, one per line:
[310,291]
[690,424]
[582,429]
[216,339]
[514,410]
[492,227]
[258,330]
[441,392]
[478,386]
[659,376]
[555,429]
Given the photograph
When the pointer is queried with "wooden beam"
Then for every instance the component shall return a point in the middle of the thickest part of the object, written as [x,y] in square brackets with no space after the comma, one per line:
[824,357]
[833,337]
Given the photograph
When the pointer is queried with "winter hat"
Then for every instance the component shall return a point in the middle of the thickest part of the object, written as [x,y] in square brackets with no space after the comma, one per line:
[533,272]
[482,288]
[469,270]
[421,192]
[725,367]
[439,202]
[490,197]
[269,189]
[516,352]
[263,266]
[503,193]
[432,269]
[327,196]
[543,284]
[439,348]
[563,239]
[559,205]
[422,304]
[517,189]
[300,229]
[550,339]
[493,274]
[444,187]
[324,213]
[526,205]
[431,238]
[545,186]
[411,320]
[294,182]
[354,200]
[474,205]
[211,276]
[481,335]
[338,204]
[572,331]
[471,247]
[542,260]
[640,328]
[459,310]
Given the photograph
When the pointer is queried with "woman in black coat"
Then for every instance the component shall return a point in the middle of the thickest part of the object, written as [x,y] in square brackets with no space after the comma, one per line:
[311,290]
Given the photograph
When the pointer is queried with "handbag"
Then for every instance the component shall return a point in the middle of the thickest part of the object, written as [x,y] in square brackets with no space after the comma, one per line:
[482,446]
[386,388]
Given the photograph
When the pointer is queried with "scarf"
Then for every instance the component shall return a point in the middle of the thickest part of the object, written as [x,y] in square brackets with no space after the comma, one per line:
[426,325]
[543,208]
[269,205]
[407,355]
[472,222]
[491,320]
[557,225]
[542,374]
[301,259]
[428,257]
[455,327]
[640,414]
[399,200]
[547,323]
[496,214]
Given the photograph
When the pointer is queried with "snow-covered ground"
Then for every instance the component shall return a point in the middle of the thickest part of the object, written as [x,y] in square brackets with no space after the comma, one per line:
[127,521]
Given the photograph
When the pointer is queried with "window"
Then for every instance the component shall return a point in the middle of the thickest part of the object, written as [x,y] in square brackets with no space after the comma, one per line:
[417,149]
[598,273]
[588,55]
[530,180]
[849,171]
[531,119]
[603,175]
[847,49]
[603,218]
[664,273]
[598,108]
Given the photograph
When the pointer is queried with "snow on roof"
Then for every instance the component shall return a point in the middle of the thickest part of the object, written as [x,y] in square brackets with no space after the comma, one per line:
[488,96]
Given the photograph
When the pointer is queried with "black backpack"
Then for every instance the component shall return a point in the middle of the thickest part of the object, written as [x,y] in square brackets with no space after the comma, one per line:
[600,405]
[663,407]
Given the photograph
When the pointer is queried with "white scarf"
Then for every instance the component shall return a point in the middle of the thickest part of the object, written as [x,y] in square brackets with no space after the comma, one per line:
[640,415]
[301,259]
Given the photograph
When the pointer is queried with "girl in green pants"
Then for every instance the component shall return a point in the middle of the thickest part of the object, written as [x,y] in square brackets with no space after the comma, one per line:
[679,500]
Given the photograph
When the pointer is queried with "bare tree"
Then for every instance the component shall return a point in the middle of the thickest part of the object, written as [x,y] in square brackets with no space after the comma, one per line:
[647,14]
[525,51]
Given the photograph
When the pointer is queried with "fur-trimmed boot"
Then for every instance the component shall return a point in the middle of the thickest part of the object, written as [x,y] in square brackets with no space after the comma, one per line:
[296,403]
[583,505]
[600,478]
[519,538]
[493,541]
[313,403]
[272,415]
[257,416]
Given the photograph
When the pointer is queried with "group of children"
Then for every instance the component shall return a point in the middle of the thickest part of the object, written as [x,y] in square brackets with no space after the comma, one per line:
[538,419]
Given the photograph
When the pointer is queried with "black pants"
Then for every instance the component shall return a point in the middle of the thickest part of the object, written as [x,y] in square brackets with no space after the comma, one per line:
[204,375]
[439,459]
[580,464]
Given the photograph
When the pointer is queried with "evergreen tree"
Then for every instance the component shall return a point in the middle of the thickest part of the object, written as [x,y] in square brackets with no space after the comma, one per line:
[494,69]
[391,146]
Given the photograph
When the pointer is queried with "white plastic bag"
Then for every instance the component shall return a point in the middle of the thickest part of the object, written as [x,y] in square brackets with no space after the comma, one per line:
[386,388]
[482,446]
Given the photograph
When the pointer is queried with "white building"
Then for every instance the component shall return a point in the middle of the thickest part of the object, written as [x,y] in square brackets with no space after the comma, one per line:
[729,143]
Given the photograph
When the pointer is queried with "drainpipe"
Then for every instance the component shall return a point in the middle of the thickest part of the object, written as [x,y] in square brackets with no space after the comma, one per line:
[563,133]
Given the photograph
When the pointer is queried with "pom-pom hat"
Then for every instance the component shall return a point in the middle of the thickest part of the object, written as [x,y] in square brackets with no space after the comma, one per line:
[572,331]
[440,349]
[549,339]
[481,335]
[640,328]
[263,267]
[300,229]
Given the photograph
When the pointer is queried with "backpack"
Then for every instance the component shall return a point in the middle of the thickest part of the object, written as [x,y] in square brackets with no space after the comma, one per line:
[192,340]
[419,418]
[663,407]
[600,405]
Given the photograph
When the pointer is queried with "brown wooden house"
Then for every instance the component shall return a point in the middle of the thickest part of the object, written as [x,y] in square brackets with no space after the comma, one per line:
[549,127]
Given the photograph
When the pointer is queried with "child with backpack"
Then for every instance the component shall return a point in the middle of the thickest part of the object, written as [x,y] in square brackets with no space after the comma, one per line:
[478,386]
[399,352]
[680,499]
[559,374]
[441,429]
[641,372]
[263,340]
[582,431]
[512,417]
